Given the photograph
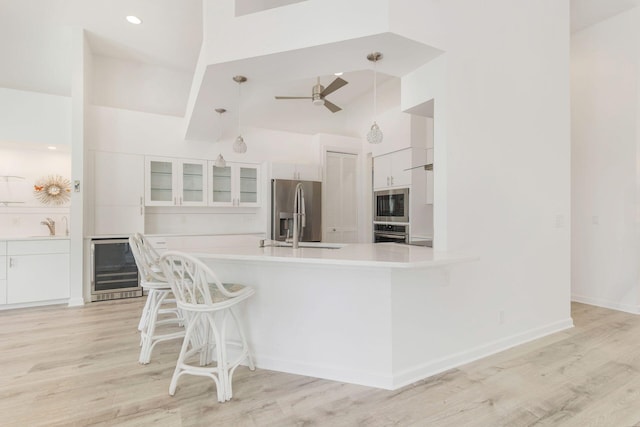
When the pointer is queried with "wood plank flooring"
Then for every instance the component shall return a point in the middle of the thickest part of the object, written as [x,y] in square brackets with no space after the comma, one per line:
[64,366]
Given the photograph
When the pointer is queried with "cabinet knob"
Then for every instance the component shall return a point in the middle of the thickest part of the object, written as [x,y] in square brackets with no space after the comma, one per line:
[333,229]
[10,262]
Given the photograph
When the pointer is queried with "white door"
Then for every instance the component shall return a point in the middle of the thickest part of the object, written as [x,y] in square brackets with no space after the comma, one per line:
[161,182]
[193,174]
[38,277]
[341,198]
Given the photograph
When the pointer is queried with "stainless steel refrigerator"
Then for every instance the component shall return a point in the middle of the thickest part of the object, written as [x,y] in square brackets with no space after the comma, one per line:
[282,200]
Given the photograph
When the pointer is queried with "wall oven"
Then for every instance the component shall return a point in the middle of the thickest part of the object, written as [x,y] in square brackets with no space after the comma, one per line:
[114,273]
[390,233]
[391,205]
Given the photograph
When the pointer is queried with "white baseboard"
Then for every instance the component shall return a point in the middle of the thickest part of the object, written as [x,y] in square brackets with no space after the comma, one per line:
[599,302]
[76,302]
[33,304]
[417,373]
[334,373]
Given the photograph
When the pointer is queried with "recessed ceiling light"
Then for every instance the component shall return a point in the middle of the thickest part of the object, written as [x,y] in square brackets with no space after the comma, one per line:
[339,73]
[51,147]
[134,20]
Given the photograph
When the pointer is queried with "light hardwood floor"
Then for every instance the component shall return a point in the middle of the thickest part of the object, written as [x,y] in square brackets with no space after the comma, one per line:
[78,366]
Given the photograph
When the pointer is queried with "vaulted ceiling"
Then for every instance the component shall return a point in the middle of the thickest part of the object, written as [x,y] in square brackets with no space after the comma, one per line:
[35,42]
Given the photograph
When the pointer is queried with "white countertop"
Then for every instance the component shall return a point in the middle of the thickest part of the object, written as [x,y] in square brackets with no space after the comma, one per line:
[386,255]
[34,238]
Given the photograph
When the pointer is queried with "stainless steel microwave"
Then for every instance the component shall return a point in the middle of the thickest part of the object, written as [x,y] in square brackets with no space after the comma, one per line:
[391,205]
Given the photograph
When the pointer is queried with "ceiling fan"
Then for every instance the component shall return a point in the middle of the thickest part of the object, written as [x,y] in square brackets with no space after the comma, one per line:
[319,92]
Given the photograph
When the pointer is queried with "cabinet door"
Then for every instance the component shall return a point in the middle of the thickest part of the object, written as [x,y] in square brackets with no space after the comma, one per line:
[381,171]
[161,182]
[42,277]
[283,171]
[248,185]
[220,185]
[400,165]
[119,197]
[3,272]
[302,172]
[193,183]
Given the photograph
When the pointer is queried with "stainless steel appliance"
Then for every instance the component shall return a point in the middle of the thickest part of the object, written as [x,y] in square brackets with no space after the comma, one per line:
[390,233]
[282,207]
[114,273]
[391,205]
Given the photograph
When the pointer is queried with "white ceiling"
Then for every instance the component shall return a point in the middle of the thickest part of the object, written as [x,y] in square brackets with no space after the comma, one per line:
[35,47]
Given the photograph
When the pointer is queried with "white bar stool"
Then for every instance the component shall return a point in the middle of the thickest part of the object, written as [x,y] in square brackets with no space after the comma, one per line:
[207,304]
[159,294]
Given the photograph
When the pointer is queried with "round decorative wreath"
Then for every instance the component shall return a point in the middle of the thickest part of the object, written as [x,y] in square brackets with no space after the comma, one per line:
[53,189]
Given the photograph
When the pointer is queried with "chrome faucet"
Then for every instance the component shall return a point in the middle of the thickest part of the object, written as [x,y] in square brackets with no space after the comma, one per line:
[51,224]
[66,225]
[299,216]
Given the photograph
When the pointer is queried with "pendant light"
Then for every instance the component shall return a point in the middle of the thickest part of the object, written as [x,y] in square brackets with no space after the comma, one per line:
[239,146]
[374,136]
[220,161]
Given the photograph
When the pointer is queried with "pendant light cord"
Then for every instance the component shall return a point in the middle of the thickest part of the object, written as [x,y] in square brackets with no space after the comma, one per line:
[375,89]
[239,95]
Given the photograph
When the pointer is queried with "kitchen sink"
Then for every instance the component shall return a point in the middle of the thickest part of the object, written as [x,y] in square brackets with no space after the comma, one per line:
[317,245]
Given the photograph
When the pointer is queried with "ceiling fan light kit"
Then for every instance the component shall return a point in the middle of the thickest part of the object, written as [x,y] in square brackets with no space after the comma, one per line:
[319,92]
[239,146]
[375,135]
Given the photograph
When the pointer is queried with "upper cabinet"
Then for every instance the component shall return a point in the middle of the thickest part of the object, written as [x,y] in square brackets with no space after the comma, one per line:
[119,197]
[175,182]
[301,172]
[235,185]
[392,170]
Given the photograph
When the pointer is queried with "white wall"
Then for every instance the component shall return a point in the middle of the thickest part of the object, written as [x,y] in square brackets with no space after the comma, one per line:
[34,117]
[605,171]
[32,162]
[138,86]
[29,122]
[502,147]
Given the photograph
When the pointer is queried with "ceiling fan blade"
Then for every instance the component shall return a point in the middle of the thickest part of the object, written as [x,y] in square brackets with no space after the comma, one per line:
[331,106]
[334,86]
[293,97]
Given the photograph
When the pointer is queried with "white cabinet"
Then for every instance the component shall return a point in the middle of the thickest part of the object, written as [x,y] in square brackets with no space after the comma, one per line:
[235,185]
[119,193]
[392,170]
[38,270]
[175,182]
[3,272]
[302,172]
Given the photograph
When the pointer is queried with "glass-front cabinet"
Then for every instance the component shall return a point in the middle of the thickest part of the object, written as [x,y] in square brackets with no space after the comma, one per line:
[175,182]
[235,185]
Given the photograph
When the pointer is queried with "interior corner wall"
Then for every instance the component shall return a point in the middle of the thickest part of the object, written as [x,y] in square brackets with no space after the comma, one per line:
[506,155]
[80,53]
[605,124]
[140,87]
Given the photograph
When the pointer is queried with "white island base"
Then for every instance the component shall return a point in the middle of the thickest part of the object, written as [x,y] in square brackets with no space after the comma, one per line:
[362,314]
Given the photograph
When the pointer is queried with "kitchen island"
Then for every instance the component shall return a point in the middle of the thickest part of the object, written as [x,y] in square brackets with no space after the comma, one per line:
[361,313]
